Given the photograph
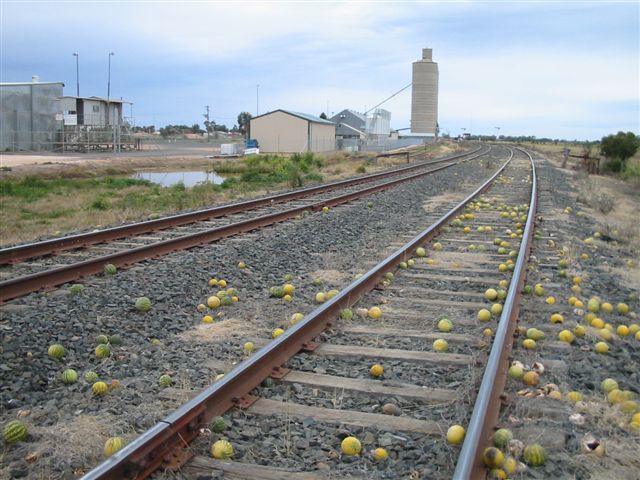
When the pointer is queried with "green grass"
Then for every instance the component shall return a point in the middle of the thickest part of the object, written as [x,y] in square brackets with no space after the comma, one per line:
[33,188]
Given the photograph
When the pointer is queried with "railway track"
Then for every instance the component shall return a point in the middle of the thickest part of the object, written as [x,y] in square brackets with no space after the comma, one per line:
[43,265]
[320,390]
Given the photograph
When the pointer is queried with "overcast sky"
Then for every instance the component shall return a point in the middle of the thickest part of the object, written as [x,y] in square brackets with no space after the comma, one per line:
[550,69]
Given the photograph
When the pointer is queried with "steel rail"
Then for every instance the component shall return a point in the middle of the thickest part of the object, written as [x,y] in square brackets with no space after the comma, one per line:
[487,407]
[164,445]
[20,286]
[22,252]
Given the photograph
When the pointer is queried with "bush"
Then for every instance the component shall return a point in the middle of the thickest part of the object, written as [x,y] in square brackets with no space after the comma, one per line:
[100,203]
[361,169]
[614,165]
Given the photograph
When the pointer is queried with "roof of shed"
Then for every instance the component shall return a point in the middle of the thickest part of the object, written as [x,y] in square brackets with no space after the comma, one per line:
[304,116]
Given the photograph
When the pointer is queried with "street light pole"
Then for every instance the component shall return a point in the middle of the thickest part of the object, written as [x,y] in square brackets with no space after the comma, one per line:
[77,55]
[108,106]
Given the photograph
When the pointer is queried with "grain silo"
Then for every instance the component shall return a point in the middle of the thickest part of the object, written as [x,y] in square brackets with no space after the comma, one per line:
[424,96]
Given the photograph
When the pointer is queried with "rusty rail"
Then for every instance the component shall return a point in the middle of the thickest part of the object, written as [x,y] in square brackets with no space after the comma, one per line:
[164,445]
[487,407]
[30,250]
[20,286]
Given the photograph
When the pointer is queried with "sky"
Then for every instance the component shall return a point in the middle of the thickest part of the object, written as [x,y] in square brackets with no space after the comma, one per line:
[550,69]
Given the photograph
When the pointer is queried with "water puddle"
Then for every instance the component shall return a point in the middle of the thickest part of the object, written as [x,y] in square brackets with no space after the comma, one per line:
[189,179]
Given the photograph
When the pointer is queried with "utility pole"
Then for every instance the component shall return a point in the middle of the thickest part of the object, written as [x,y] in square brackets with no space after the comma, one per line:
[207,122]
[257,99]
[77,55]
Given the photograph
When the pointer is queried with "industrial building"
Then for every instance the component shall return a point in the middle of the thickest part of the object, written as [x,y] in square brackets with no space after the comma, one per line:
[350,129]
[35,116]
[284,131]
[92,111]
[30,118]
[424,96]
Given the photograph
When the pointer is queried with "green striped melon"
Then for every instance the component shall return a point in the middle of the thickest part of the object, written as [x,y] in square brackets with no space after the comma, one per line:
[103,339]
[103,351]
[218,425]
[165,381]
[76,288]
[534,455]
[115,340]
[56,351]
[143,304]
[110,269]
[91,377]
[69,376]
[15,431]
[502,437]
[346,314]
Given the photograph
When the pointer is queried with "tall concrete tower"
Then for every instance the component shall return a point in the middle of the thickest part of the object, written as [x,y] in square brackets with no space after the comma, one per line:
[424,95]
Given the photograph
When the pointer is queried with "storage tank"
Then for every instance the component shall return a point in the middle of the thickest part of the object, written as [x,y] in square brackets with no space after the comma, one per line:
[424,95]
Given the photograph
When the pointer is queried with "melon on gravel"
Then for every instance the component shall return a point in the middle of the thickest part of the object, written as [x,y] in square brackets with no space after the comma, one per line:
[248,347]
[332,293]
[375,313]
[222,450]
[295,318]
[115,340]
[277,292]
[56,351]
[15,431]
[380,454]
[346,314]
[165,381]
[69,376]
[143,304]
[502,437]
[455,434]
[218,425]
[91,377]
[110,269]
[102,339]
[608,384]
[420,252]
[76,289]
[213,301]
[351,446]
[377,370]
[445,325]
[112,445]
[99,388]
[103,351]
[534,455]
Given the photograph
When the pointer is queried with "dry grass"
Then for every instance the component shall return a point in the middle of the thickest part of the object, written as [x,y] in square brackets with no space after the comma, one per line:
[331,277]
[74,445]
[218,331]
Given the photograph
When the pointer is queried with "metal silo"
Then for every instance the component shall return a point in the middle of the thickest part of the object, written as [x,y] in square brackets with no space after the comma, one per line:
[424,95]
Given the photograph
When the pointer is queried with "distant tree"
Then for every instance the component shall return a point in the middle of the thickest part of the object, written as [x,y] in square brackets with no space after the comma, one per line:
[621,146]
[323,116]
[195,128]
[220,128]
[244,121]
